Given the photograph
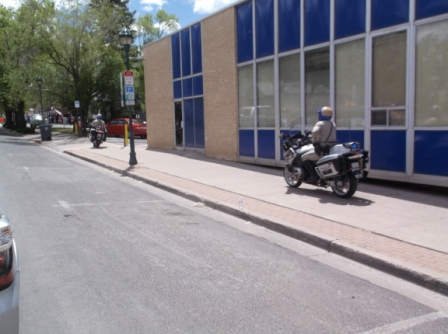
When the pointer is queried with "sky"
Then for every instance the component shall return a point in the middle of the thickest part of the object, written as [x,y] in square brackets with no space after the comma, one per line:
[188,11]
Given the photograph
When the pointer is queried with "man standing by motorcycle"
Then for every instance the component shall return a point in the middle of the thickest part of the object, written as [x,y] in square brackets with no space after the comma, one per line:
[323,134]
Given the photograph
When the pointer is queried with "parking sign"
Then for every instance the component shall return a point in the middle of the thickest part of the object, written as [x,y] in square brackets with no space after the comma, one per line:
[129,78]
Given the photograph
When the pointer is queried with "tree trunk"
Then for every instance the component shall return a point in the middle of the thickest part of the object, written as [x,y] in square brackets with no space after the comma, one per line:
[20,115]
[8,114]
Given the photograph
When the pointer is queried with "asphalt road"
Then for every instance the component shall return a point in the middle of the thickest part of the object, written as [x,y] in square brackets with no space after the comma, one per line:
[100,253]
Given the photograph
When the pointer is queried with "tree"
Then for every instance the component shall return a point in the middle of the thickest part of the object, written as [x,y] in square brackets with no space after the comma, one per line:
[145,29]
[151,28]
[73,46]
[148,29]
[16,66]
[122,17]
[73,41]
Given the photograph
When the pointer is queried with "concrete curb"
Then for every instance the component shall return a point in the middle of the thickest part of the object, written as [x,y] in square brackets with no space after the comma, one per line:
[390,266]
[339,247]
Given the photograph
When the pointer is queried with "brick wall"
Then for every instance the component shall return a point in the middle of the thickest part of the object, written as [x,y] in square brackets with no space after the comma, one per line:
[220,88]
[159,94]
[220,85]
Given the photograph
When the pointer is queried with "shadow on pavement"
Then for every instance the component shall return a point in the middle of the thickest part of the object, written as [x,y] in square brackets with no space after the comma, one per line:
[17,141]
[270,170]
[430,195]
[326,196]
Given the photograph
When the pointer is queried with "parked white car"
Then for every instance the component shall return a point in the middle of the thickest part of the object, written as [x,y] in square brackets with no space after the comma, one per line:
[36,120]
[9,279]
[265,116]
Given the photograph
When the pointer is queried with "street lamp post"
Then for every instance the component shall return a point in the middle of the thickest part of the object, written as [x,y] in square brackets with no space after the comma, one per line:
[39,83]
[126,39]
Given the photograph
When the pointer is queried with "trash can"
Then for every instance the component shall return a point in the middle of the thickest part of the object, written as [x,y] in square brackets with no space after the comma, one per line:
[45,132]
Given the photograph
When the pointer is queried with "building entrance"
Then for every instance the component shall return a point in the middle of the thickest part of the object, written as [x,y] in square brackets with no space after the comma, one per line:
[193,113]
[178,124]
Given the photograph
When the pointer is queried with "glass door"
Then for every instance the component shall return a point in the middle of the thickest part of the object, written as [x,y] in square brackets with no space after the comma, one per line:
[178,124]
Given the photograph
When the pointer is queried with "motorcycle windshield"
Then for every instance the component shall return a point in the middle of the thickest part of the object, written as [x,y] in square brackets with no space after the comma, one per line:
[296,126]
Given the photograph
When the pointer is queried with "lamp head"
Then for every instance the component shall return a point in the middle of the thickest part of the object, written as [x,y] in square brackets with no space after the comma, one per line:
[39,81]
[125,37]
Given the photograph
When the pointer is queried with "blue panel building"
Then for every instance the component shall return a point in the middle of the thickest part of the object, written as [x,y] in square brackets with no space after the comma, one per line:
[380,64]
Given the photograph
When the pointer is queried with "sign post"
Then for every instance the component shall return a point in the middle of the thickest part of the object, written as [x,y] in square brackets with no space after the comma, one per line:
[130,101]
[129,88]
[76,123]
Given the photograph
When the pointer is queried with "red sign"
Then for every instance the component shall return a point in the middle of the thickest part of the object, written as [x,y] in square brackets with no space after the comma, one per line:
[128,73]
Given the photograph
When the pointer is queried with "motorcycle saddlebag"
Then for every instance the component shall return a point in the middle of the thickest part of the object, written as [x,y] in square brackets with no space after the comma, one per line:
[329,166]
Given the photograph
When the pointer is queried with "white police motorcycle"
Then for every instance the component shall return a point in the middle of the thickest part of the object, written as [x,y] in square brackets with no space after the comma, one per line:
[340,167]
[97,135]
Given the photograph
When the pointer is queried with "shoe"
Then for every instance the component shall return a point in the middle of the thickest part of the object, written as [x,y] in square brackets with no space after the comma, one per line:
[312,178]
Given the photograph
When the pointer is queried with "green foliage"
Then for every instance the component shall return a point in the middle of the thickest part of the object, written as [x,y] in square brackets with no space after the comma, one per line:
[120,15]
[151,28]
[73,46]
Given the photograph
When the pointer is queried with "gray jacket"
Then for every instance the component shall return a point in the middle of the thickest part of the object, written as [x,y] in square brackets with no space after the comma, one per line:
[98,123]
[324,132]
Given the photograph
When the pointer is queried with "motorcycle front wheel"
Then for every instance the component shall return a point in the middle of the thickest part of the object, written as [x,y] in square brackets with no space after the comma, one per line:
[345,186]
[292,180]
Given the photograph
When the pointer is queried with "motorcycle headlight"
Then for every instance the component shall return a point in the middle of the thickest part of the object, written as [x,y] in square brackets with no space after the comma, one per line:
[289,155]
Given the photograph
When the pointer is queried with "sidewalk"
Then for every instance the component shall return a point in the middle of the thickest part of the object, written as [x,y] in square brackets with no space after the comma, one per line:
[399,229]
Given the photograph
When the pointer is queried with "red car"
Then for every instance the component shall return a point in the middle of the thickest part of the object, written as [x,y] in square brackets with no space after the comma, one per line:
[116,127]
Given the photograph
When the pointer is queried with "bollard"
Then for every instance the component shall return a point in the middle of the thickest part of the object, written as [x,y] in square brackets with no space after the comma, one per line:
[126,135]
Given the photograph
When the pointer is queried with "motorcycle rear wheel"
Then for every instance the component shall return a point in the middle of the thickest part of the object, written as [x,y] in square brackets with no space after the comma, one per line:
[290,179]
[96,143]
[348,188]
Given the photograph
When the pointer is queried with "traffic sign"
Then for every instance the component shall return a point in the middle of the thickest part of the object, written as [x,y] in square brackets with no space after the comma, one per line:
[130,96]
[76,104]
[130,103]
[129,89]
[129,81]
[128,73]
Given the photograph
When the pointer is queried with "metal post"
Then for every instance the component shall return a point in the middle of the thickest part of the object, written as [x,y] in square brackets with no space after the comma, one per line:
[41,106]
[132,155]
[79,123]
[39,82]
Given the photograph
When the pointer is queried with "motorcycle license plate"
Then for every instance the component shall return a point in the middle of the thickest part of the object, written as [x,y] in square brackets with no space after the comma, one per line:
[355,165]
[99,136]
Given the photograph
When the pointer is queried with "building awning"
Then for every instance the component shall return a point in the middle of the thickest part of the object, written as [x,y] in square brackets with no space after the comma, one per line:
[55,112]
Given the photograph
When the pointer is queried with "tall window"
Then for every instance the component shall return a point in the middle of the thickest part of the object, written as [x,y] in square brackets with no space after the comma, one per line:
[246,96]
[389,79]
[350,82]
[289,89]
[431,79]
[265,94]
[317,83]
